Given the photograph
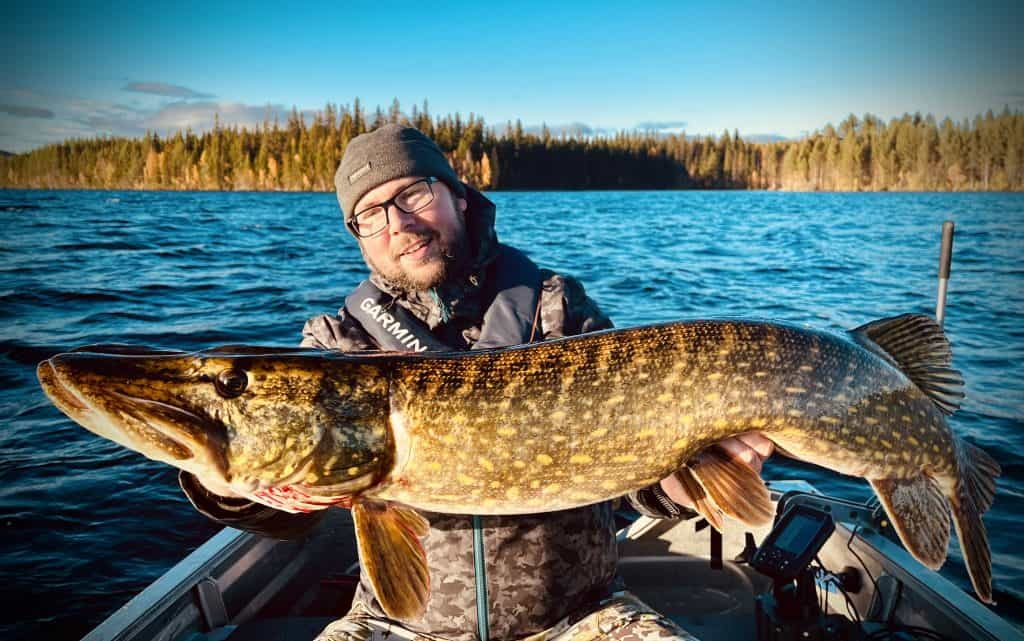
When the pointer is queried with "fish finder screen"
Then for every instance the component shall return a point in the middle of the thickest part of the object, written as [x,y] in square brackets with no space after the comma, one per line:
[798,534]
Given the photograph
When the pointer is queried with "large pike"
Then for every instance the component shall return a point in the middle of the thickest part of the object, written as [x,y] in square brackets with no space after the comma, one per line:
[553,425]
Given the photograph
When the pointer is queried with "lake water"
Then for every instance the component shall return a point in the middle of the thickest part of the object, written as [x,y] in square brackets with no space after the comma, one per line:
[85,524]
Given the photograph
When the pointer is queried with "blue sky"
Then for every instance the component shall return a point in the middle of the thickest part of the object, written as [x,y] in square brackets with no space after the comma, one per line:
[85,69]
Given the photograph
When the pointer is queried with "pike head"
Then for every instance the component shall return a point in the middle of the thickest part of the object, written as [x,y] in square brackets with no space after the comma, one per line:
[245,417]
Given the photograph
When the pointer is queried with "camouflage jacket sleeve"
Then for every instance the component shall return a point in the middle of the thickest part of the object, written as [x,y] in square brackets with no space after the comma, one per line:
[566,310]
[323,332]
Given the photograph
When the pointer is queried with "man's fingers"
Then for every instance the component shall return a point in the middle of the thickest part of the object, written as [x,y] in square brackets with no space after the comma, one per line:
[759,443]
[740,450]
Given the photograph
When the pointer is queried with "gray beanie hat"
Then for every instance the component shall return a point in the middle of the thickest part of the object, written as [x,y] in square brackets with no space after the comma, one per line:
[390,152]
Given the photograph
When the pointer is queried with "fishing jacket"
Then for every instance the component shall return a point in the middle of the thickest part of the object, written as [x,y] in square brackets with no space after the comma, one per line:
[538,568]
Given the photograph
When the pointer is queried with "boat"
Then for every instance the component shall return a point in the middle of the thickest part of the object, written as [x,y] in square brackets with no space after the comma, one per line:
[242,587]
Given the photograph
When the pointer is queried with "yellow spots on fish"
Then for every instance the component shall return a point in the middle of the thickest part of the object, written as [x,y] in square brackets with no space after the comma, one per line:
[557,416]
[434,466]
[459,419]
[518,464]
[712,397]
[758,422]
[559,438]
[486,464]
[670,380]
[760,393]
[796,390]
[579,478]
[772,354]
[806,368]
[879,454]
[465,479]
[860,440]
[871,420]
[760,373]
[448,439]
[905,455]
[913,441]
[495,485]
[489,502]
[588,416]
[544,459]
[311,478]
[553,488]
[609,485]
[599,432]
[935,448]
[580,459]
[512,492]
[882,408]
[625,458]
[840,398]
[534,484]
[665,398]
[884,443]
[615,400]
[714,376]
[795,413]
[851,410]
[646,432]
[721,423]
[680,444]
[506,431]
[905,418]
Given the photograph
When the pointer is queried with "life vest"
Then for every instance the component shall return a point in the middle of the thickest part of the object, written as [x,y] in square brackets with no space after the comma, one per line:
[508,320]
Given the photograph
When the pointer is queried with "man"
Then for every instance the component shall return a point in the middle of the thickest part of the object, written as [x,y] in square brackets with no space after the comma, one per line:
[441,281]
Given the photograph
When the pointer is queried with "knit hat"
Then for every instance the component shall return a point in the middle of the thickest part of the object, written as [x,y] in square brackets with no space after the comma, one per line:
[390,152]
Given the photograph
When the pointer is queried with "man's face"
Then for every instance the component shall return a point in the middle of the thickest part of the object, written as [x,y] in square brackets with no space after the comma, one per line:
[416,251]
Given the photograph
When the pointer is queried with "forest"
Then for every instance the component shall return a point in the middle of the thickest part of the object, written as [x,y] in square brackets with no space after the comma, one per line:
[910,153]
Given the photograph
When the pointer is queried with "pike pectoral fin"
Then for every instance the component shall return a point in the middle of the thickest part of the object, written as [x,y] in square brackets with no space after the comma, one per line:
[735,488]
[919,513]
[388,537]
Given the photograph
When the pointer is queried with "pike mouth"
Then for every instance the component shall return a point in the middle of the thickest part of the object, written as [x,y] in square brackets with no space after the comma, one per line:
[61,395]
[152,428]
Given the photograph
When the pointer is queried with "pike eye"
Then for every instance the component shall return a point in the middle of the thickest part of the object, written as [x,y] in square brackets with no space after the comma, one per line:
[231,383]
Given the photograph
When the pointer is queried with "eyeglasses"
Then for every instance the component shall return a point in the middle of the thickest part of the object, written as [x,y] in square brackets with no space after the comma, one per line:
[373,220]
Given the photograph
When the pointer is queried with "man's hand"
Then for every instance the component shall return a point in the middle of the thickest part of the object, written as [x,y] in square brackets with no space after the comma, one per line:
[752,448]
[294,499]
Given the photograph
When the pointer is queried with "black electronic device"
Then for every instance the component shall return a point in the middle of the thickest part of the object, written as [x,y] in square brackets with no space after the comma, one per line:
[793,543]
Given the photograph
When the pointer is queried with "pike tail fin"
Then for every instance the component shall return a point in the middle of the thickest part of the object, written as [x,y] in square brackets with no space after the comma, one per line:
[388,538]
[971,496]
[732,487]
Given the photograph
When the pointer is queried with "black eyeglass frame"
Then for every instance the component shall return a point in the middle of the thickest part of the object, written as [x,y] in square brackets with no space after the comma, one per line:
[352,222]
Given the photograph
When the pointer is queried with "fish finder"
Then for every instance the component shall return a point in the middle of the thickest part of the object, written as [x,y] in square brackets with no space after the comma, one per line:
[793,542]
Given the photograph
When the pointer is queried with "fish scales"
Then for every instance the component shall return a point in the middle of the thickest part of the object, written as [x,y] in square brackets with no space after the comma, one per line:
[542,428]
[552,426]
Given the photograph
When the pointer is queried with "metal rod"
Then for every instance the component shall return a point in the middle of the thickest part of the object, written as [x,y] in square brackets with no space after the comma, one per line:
[945,260]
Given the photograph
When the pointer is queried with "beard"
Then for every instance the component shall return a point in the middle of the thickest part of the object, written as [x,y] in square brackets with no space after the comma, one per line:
[450,259]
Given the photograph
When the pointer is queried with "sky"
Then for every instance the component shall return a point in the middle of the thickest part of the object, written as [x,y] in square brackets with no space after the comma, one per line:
[85,69]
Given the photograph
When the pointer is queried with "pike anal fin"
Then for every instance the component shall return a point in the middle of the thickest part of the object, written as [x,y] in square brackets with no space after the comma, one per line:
[733,486]
[919,514]
[388,538]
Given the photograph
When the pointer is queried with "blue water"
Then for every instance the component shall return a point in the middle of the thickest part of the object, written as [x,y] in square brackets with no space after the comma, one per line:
[85,524]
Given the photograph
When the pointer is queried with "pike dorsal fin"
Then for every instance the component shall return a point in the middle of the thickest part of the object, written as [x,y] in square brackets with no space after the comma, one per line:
[916,344]
[388,538]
